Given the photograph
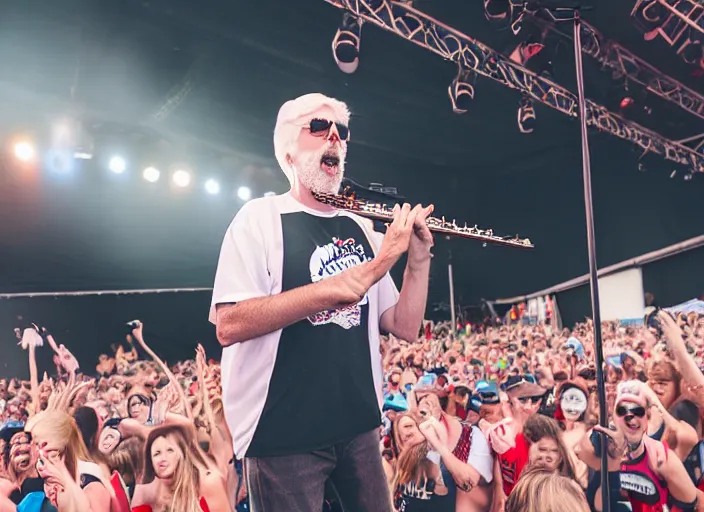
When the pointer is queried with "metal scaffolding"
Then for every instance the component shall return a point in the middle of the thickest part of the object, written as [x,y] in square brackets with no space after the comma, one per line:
[470,54]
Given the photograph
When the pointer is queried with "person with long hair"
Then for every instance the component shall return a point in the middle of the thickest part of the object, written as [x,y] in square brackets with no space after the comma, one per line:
[663,391]
[462,448]
[419,482]
[176,477]
[545,446]
[72,480]
[573,413]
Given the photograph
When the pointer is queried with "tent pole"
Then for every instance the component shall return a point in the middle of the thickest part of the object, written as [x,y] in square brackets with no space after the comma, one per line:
[452,296]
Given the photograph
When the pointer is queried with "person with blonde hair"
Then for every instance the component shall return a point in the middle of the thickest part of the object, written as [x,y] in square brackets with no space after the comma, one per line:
[542,490]
[301,293]
[72,481]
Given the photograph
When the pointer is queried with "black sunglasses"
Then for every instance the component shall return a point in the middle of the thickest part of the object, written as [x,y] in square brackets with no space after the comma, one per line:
[488,397]
[322,127]
[533,399]
[622,411]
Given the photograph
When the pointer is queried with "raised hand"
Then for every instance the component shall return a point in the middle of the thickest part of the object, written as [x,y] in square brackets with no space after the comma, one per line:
[399,232]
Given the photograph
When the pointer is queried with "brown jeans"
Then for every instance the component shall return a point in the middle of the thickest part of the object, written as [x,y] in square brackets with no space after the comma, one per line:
[297,483]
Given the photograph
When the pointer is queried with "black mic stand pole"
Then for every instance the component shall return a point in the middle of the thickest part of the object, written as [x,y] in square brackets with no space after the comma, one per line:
[591,249]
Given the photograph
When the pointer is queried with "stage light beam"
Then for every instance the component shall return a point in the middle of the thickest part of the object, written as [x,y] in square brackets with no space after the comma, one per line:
[212,187]
[117,165]
[151,174]
[244,193]
[182,178]
[24,151]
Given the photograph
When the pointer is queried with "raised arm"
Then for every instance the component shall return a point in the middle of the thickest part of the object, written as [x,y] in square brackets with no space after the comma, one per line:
[138,334]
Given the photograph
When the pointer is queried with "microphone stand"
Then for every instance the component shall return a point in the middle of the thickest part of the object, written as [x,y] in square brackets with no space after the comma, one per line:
[575,10]
[591,250]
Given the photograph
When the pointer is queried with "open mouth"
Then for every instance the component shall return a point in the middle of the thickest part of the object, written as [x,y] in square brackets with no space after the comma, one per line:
[330,164]
[632,424]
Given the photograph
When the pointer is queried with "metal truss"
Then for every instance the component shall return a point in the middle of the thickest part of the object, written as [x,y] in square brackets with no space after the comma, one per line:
[470,54]
[678,22]
[624,64]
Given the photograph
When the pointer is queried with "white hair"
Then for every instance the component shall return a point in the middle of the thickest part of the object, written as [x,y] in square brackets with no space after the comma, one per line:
[286,131]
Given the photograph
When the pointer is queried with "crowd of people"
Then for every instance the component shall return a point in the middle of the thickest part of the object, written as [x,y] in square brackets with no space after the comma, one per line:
[490,418]
[332,393]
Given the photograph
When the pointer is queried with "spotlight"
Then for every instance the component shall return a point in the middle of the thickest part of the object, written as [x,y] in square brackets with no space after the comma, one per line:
[24,151]
[151,174]
[461,91]
[181,178]
[81,155]
[212,187]
[269,194]
[526,115]
[345,44]
[117,165]
[244,193]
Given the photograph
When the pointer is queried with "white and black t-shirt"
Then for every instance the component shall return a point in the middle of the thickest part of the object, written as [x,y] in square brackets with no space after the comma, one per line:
[317,382]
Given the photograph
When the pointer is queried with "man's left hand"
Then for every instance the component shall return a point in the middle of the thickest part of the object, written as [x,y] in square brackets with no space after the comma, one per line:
[422,239]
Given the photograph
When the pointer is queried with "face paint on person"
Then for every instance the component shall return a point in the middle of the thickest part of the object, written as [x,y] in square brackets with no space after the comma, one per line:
[573,403]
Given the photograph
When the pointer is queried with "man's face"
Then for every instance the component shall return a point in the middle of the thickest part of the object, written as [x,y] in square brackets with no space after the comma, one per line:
[319,158]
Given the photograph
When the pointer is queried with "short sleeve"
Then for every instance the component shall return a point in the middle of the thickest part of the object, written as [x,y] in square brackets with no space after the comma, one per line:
[242,271]
[480,456]
[388,294]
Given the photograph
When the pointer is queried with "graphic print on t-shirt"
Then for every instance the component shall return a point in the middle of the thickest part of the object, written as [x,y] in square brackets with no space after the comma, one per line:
[329,260]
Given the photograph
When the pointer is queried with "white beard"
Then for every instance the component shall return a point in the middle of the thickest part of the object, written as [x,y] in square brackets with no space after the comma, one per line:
[314,178]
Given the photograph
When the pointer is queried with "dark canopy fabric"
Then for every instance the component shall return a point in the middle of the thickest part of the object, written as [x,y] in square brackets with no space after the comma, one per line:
[200,84]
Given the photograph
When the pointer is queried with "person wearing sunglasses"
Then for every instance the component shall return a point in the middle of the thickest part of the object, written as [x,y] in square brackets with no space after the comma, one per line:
[506,438]
[651,477]
[301,293]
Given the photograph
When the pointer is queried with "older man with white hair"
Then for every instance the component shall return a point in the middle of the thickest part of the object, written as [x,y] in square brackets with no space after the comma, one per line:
[301,294]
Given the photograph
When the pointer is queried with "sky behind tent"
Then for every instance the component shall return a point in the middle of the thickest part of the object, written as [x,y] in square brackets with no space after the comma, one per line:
[173,83]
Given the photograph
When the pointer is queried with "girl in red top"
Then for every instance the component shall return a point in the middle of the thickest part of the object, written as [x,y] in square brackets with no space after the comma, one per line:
[177,477]
[650,477]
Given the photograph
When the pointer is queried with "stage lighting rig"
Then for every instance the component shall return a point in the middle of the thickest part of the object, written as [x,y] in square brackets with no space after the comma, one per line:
[151,174]
[506,13]
[346,43]
[680,23]
[24,151]
[212,187]
[117,164]
[526,115]
[471,54]
[461,91]
[624,64]
[181,178]
[244,193]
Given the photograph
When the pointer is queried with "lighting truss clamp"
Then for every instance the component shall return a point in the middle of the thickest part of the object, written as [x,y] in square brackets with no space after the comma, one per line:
[422,30]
